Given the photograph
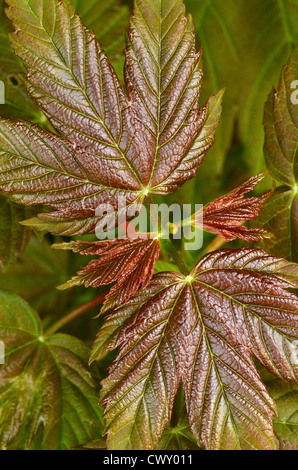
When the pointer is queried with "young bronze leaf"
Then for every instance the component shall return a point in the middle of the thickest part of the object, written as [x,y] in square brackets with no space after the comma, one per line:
[152,140]
[164,77]
[202,329]
[225,215]
[47,396]
[128,262]
[281,151]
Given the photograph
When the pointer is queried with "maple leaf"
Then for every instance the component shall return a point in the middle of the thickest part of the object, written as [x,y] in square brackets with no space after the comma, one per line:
[225,216]
[202,329]
[115,145]
[128,262]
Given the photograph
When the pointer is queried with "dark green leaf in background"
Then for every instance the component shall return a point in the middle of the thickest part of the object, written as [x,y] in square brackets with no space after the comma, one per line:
[245,44]
[286,396]
[48,399]
[281,152]
[13,236]
[36,276]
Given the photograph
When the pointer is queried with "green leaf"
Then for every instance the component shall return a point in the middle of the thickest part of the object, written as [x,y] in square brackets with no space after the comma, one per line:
[48,399]
[245,44]
[17,105]
[271,28]
[281,127]
[286,397]
[36,276]
[280,215]
[13,237]
[178,437]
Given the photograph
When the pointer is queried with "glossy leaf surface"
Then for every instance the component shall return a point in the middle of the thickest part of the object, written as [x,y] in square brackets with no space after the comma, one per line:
[152,140]
[201,329]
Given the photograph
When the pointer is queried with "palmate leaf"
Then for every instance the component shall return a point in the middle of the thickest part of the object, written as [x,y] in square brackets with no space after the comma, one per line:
[201,329]
[128,262]
[152,140]
[281,152]
[13,237]
[225,215]
[47,396]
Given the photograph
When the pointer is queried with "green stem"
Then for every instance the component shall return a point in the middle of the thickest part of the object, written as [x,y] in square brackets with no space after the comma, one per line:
[178,259]
[76,313]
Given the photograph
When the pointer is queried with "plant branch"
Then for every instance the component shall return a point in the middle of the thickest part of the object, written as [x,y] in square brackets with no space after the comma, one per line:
[76,313]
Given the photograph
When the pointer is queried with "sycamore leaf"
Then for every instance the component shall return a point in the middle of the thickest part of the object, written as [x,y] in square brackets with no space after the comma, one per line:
[281,151]
[152,140]
[201,329]
[128,262]
[47,396]
[286,423]
[225,215]
[13,237]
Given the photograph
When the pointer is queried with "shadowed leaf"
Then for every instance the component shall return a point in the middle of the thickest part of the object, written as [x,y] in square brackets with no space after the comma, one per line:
[13,237]
[286,397]
[280,215]
[36,275]
[47,396]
